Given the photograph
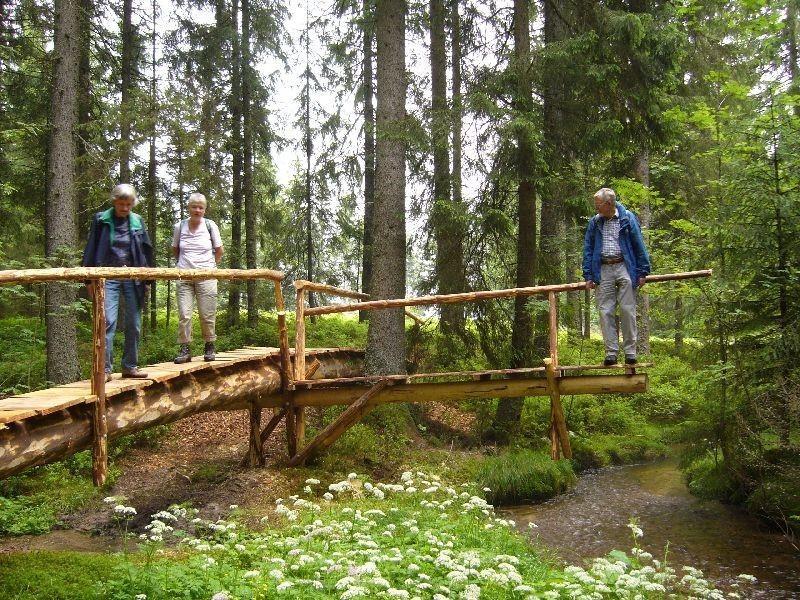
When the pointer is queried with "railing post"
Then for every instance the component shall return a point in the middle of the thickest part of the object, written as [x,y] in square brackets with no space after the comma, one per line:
[298,412]
[99,424]
[558,424]
[552,298]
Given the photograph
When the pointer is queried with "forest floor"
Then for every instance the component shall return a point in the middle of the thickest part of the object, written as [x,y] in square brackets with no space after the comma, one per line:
[197,462]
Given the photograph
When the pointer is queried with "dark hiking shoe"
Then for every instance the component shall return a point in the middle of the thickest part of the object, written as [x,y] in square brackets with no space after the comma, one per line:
[610,360]
[184,355]
[210,352]
[134,374]
[630,359]
[108,377]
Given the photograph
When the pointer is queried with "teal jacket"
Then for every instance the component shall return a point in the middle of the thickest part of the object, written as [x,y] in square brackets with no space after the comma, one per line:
[101,236]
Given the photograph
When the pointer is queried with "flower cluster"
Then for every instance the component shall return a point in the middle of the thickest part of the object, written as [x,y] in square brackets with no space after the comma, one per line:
[418,539]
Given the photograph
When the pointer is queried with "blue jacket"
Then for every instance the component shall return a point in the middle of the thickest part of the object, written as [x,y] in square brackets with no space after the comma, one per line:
[631,244]
[101,235]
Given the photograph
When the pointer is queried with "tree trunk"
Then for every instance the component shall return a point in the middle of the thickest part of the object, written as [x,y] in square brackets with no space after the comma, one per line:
[247,179]
[550,266]
[235,254]
[309,149]
[642,173]
[679,324]
[152,184]
[60,239]
[791,39]
[445,216]
[509,410]
[127,82]
[82,184]
[386,336]
[369,153]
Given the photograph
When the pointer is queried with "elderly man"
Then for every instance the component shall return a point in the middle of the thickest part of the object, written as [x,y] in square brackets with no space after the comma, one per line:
[118,238]
[615,261]
[196,244]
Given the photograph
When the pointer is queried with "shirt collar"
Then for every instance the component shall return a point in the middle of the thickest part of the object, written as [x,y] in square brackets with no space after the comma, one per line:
[615,215]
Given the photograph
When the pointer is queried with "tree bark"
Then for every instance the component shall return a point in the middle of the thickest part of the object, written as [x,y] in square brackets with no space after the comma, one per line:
[678,323]
[247,179]
[237,160]
[641,169]
[152,184]
[127,82]
[60,238]
[369,152]
[386,334]
[82,184]
[445,216]
[509,410]
[550,264]
[309,149]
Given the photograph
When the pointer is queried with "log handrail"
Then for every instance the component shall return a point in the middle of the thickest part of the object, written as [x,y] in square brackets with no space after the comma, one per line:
[146,273]
[482,295]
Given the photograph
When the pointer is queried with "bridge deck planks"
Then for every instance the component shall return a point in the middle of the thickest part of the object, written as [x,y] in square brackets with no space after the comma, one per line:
[43,402]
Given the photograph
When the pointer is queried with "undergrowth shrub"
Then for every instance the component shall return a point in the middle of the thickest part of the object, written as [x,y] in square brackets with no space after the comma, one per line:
[524,476]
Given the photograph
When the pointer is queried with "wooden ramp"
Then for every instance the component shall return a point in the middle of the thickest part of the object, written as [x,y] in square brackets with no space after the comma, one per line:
[44,402]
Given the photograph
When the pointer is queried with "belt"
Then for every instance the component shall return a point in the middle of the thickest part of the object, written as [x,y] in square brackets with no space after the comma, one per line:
[612,260]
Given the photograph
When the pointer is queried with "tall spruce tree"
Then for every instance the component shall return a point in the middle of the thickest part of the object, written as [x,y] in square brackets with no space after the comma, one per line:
[60,207]
[385,352]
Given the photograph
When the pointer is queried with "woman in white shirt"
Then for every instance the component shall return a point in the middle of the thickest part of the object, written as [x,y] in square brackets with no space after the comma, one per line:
[196,244]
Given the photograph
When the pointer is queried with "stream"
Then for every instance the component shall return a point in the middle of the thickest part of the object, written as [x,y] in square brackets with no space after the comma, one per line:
[722,541]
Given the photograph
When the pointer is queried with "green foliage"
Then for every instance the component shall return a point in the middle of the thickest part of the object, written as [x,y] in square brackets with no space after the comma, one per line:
[522,476]
[54,575]
[599,451]
[707,477]
[31,503]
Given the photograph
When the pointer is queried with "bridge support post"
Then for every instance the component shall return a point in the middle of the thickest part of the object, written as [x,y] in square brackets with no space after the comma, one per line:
[297,413]
[256,452]
[558,424]
[354,413]
[99,423]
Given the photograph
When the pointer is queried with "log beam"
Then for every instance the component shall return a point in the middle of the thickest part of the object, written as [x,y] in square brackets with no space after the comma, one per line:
[475,390]
[43,439]
[354,413]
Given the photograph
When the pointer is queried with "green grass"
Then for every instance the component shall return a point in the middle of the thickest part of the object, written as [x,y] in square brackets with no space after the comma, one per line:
[54,575]
[523,476]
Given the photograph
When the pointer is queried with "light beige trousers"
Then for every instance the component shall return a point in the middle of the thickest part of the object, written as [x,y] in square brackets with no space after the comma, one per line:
[206,294]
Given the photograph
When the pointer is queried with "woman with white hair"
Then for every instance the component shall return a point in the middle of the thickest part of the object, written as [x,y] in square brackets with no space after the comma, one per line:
[118,238]
[196,244]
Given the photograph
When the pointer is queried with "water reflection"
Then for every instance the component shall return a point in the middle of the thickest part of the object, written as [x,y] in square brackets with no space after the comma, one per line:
[721,540]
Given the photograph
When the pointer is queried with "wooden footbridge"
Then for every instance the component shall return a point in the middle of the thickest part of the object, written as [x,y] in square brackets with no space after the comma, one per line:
[44,426]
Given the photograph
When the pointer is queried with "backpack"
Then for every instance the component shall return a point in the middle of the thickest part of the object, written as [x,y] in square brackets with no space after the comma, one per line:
[208,226]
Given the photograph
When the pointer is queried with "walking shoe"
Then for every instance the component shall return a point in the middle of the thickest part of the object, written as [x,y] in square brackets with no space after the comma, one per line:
[134,373]
[108,377]
[610,360]
[630,359]
[210,352]
[184,355]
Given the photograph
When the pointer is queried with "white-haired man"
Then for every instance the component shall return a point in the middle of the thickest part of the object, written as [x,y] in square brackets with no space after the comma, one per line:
[615,261]
[118,238]
[196,244]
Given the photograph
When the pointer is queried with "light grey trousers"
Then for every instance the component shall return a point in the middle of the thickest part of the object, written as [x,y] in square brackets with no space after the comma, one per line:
[615,289]
[206,294]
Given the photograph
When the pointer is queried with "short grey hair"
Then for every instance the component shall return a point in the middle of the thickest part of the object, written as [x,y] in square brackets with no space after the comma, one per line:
[197,198]
[606,195]
[124,190]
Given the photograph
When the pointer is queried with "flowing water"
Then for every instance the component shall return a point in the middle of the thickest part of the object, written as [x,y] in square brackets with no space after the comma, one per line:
[723,541]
